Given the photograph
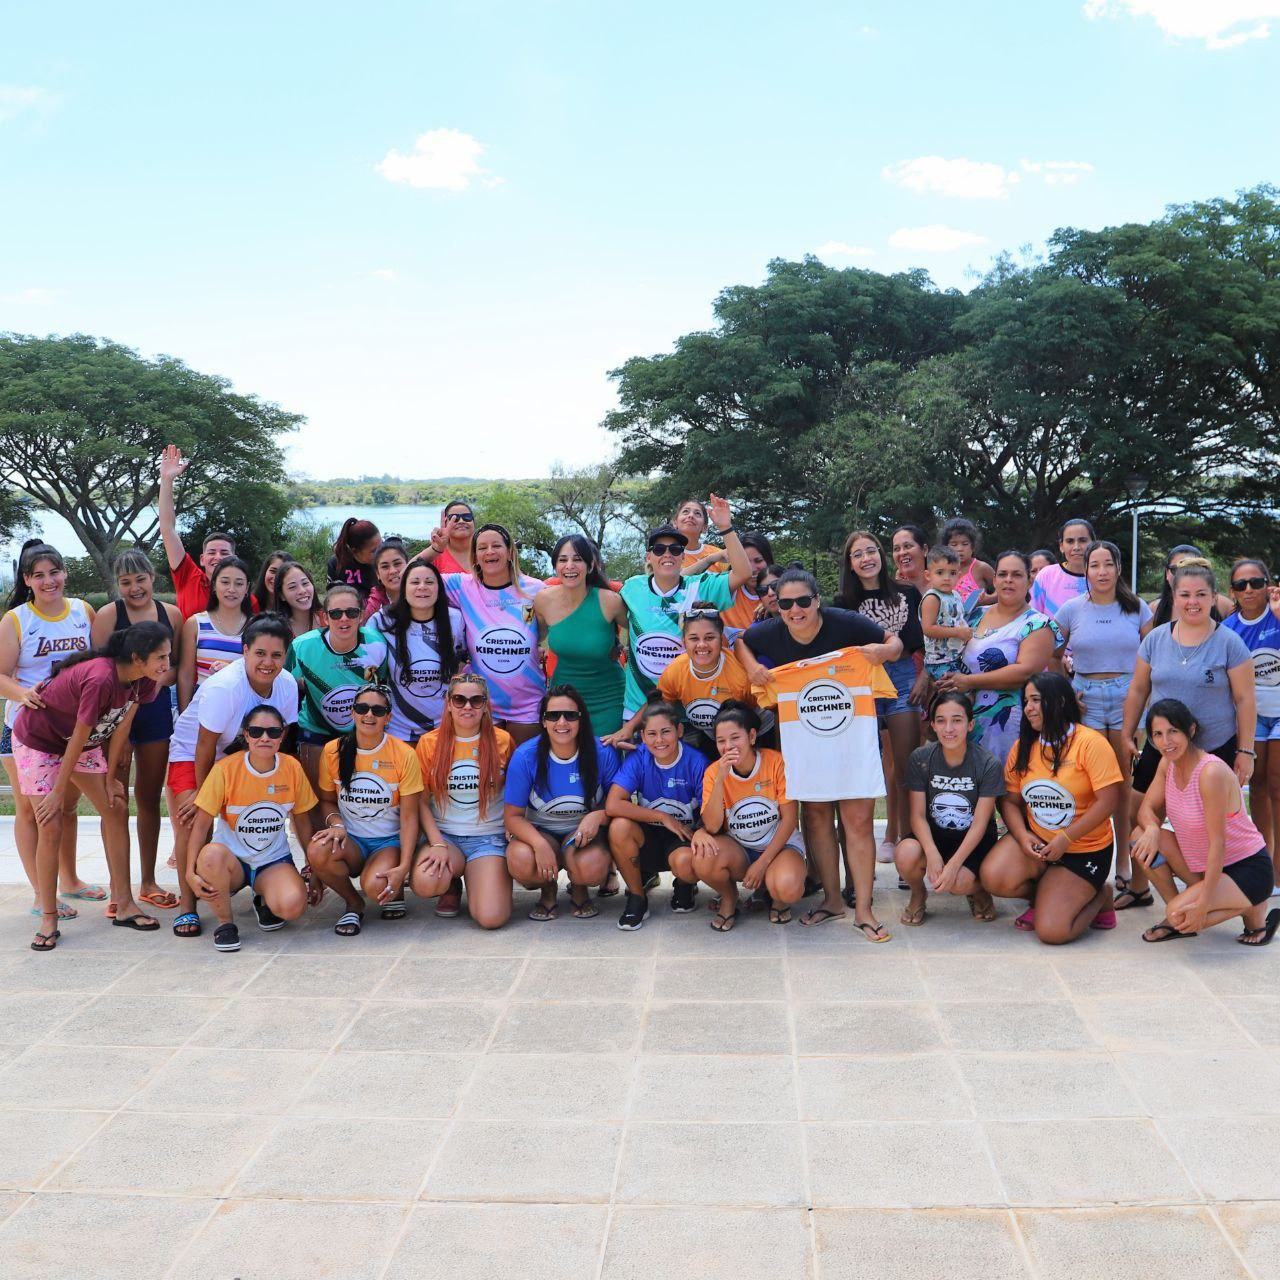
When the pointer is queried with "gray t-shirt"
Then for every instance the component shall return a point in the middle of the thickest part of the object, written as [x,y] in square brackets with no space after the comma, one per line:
[1102,636]
[952,792]
[1197,676]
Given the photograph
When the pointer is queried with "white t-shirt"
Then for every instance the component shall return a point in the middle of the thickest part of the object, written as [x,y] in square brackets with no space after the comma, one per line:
[220,704]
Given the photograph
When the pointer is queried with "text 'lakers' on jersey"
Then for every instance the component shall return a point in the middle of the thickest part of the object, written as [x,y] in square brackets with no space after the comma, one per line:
[827,714]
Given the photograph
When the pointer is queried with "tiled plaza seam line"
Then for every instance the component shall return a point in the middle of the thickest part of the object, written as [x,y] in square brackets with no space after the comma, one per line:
[451,1123]
[810,1215]
[1212,1209]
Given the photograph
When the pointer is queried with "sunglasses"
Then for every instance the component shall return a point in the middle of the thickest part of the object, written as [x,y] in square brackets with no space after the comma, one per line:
[770,588]
[272,731]
[345,613]
[571,716]
[794,602]
[1248,584]
[665,549]
[464,517]
[461,700]
[370,709]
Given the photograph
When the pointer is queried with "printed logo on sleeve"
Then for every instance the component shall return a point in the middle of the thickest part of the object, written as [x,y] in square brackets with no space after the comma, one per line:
[502,650]
[825,707]
[1050,803]
[655,651]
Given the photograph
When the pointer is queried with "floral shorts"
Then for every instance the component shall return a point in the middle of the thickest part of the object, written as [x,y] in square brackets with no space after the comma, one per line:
[38,770]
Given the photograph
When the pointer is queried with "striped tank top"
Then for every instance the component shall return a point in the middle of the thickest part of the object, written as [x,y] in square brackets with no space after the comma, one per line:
[44,640]
[1186,811]
[214,648]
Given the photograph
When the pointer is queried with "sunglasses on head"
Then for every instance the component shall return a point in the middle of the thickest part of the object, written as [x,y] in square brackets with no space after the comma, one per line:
[571,716]
[666,549]
[273,731]
[370,709]
[794,602]
[461,700]
[1248,584]
[353,612]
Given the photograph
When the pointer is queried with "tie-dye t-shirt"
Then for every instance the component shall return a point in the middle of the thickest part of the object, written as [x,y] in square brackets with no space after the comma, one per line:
[1053,587]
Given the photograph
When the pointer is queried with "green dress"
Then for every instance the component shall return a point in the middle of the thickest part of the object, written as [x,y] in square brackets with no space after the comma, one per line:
[585,647]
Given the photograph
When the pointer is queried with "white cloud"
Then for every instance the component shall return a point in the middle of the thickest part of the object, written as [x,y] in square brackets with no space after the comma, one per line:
[15,99]
[1221,24]
[968,179]
[934,239]
[1058,173]
[383,273]
[838,249]
[444,159]
[29,297]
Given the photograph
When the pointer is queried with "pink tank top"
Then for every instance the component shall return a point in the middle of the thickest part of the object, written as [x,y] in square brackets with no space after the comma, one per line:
[968,584]
[1186,812]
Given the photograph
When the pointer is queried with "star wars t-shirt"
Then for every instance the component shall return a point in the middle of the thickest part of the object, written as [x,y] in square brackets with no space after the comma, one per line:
[952,792]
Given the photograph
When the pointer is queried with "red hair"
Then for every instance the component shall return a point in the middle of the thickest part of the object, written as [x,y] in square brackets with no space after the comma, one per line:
[446,736]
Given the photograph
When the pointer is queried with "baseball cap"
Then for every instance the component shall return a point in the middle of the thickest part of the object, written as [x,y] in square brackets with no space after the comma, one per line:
[664,532]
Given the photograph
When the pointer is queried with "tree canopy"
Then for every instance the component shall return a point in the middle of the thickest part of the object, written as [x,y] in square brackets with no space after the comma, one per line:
[82,424]
[825,399]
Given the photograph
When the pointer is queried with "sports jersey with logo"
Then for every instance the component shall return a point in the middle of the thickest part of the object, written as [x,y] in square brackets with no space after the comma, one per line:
[827,714]
[417,690]
[556,803]
[221,703]
[752,802]
[251,809]
[653,626]
[702,696]
[674,788]
[1055,800]
[1262,639]
[331,679]
[461,814]
[44,640]
[502,639]
[383,778]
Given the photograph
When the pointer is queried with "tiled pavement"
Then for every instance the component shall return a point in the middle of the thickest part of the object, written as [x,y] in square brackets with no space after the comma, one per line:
[566,1100]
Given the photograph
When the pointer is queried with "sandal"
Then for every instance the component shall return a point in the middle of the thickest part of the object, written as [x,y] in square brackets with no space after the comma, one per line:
[1261,937]
[779,915]
[86,893]
[162,899]
[986,912]
[187,925]
[584,910]
[1026,921]
[1142,899]
[394,910]
[1164,932]
[226,937]
[912,916]
[878,932]
[64,912]
[820,915]
[543,911]
[46,941]
[348,924]
[1104,920]
[135,922]
[609,888]
[726,923]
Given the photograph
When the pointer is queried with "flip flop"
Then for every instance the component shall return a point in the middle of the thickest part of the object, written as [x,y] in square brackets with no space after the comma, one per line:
[884,933]
[985,914]
[912,918]
[64,912]
[162,898]
[46,941]
[1165,932]
[189,922]
[543,911]
[779,915]
[727,923]
[1261,937]
[610,887]
[585,910]
[135,922]
[820,915]
[86,893]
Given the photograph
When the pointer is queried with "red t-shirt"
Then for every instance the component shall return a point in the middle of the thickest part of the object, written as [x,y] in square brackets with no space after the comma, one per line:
[191,589]
[88,693]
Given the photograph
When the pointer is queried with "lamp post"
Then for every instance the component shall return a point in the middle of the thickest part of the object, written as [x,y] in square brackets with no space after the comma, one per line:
[1136,483]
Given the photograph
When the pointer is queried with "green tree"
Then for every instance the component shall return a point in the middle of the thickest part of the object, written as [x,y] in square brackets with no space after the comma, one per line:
[382,495]
[520,512]
[82,424]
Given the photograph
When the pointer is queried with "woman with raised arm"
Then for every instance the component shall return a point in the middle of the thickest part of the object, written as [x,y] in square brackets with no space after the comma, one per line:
[691,519]
[211,638]
[451,542]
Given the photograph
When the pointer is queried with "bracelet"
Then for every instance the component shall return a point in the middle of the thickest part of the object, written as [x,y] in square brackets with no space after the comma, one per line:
[329,825]
[1244,751]
[724,533]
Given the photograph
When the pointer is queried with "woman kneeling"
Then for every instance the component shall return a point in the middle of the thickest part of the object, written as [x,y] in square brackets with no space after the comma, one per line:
[748,824]
[1062,783]
[1214,847]
[252,796]
[369,783]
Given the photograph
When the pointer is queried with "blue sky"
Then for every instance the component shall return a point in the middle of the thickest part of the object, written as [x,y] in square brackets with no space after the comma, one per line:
[433,228]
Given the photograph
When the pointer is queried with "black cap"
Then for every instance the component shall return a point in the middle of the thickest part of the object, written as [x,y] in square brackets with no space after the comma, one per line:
[665,531]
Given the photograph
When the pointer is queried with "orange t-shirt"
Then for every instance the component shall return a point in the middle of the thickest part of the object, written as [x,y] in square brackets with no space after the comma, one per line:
[742,612]
[752,805]
[461,815]
[1055,800]
[701,697]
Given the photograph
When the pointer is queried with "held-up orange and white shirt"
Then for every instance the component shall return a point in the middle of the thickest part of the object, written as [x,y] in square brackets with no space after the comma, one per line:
[702,696]
[252,809]
[827,714]
[752,804]
[383,778]
[461,814]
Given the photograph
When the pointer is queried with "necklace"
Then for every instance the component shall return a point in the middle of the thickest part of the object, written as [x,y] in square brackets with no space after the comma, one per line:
[1187,655]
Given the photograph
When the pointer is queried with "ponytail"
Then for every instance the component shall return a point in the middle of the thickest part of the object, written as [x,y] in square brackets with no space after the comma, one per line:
[354,533]
[33,550]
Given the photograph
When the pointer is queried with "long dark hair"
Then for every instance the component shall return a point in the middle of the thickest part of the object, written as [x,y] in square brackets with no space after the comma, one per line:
[140,640]
[1128,602]
[277,604]
[588,756]
[589,553]
[32,550]
[347,742]
[231,562]
[852,592]
[1163,611]
[1061,714]
[260,592]
[400,615]
[354,533]
[760,543]
[1178,714]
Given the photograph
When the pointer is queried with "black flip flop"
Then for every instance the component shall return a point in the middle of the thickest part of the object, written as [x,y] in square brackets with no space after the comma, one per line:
[133,922]
[1264,935]
[1167,933]
[46,941]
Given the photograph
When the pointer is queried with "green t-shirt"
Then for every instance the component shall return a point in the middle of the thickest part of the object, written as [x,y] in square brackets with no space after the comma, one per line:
[653,626]
[331,679]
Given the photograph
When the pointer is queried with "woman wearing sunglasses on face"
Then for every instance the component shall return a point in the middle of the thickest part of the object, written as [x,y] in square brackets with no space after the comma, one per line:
[369,783]
[1257,622]
[555,792]
[464,765]
[450,548]
[248,801]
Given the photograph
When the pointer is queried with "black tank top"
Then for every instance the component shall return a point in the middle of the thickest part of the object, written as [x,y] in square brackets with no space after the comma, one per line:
[122,617]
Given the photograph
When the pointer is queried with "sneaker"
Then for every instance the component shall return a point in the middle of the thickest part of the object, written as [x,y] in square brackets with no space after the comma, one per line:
[268,921]
[449,904]
[682,896]
[652,882]
[634,910]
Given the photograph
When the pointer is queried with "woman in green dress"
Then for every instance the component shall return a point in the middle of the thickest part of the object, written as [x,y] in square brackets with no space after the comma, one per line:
[583,626]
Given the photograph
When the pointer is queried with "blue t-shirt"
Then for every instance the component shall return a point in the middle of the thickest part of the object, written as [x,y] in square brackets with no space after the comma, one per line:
[559,805]
[675,788]
[1262,639]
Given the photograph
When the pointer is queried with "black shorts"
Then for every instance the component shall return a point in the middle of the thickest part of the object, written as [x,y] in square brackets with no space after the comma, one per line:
[1095,867]
[1144,769]
[655,849]
[949,841]
[1254,876]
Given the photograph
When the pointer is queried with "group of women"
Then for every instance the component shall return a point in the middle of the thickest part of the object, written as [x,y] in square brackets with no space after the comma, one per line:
[442,723]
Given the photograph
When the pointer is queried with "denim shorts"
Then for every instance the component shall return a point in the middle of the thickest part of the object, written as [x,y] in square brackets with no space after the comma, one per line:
[251,874]
[1268,730]
[369,845]
[902,672]
[473,847]
[1103,700]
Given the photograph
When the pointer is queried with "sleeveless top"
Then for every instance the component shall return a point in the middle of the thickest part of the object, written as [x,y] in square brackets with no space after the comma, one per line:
[42,641]
[214,648]
[585,644]
[122,622]
[1186,812]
